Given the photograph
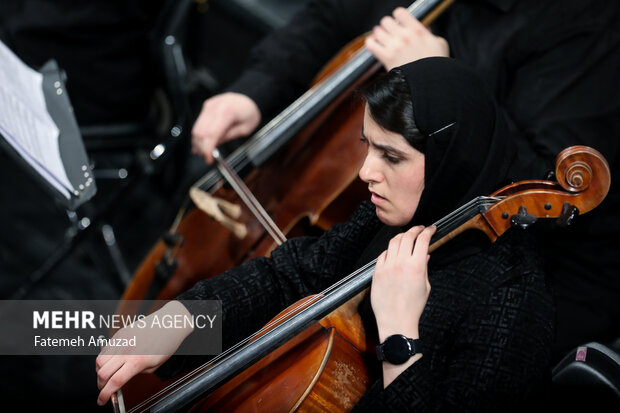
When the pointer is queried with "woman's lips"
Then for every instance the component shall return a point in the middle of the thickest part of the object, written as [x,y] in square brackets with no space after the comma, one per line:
[377,199]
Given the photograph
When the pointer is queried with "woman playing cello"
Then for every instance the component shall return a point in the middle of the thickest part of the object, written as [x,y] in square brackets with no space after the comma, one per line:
[471,328]
[552,68]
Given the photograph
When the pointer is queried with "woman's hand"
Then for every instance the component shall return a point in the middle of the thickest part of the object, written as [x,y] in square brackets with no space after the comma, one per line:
[400,289]
[401,39]
[400,284]
[223,117]
[116,366]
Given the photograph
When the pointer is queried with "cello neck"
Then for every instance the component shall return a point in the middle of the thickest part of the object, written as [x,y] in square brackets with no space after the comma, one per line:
[357,68]
[281,129]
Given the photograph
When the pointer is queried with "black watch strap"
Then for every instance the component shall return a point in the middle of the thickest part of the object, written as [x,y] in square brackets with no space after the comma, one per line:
[416,345]
[397,349]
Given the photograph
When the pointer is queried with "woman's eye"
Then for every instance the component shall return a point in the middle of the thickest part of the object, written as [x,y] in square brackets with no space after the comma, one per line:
[390,158]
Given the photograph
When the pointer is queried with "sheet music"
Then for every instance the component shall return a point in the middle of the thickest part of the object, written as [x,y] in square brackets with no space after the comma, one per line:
[25,121]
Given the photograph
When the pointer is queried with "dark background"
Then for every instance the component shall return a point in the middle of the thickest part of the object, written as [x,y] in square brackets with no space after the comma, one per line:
[127,98]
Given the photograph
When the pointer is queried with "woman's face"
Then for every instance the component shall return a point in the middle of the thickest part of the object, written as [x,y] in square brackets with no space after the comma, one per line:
[394,171]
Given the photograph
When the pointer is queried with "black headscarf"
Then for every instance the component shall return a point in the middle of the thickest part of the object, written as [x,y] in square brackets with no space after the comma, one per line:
[468,148]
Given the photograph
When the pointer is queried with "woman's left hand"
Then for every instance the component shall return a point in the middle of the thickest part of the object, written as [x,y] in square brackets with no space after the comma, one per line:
[401,38]
[400,285]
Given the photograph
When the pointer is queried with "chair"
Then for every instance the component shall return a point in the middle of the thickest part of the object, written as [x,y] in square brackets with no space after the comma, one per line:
[588,379]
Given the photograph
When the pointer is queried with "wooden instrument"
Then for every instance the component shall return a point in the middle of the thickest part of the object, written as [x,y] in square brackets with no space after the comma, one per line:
[297,363]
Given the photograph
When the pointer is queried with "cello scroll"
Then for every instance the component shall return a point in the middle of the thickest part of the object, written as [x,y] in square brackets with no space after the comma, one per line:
[583,177]
[583,180]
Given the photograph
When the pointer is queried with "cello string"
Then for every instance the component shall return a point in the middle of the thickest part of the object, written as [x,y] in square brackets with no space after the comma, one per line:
[441,224]
[445,223]
[480,205]
[464,212]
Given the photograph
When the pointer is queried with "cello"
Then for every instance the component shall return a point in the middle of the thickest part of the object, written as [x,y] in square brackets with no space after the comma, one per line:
[317,191]
[329,355]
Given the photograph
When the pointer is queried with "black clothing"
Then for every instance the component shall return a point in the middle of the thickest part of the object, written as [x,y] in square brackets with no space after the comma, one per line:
[102,45]
[552,68]
[466,151]
[486,328]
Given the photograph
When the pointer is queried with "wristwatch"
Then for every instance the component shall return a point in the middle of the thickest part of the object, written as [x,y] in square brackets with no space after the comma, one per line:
[397,349]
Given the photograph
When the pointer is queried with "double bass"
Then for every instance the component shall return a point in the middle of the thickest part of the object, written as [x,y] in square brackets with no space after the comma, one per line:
[310,358]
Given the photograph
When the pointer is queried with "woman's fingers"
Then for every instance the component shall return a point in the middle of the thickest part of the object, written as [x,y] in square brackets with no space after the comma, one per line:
[402,245]
[386,32]
[423,239]
[390,26]
[118,380]
[408,240]
[105,371]
[407,22]
[393,246]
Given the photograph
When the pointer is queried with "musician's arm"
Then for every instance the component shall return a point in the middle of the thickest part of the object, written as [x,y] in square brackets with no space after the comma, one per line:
[283,65]
[256,291]
[485,356]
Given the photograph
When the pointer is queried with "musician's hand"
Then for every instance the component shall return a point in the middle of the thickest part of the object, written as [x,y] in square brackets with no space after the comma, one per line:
[223,117]
[400,285]
[116,366]
[401,38]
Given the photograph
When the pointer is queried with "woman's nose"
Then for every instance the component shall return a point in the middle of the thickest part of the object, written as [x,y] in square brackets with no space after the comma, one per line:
[369,171]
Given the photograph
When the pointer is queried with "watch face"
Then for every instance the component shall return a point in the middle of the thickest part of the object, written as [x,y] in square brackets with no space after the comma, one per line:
[397,349]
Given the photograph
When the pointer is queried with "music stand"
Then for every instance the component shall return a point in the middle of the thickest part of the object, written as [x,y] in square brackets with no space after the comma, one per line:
[71,147]
[72,153]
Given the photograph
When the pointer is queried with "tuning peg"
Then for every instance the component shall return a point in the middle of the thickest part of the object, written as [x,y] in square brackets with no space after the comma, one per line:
[569,212]
[523,219]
